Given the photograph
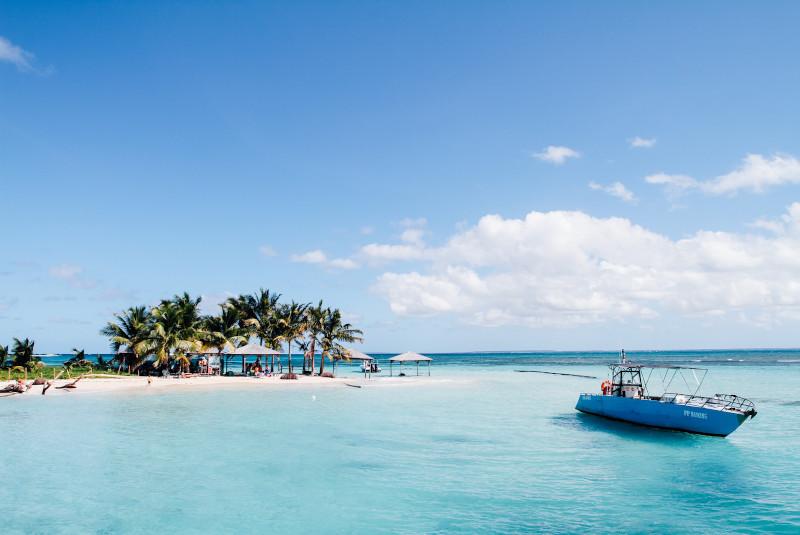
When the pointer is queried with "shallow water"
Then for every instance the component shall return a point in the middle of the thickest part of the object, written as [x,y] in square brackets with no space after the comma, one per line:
[483,449]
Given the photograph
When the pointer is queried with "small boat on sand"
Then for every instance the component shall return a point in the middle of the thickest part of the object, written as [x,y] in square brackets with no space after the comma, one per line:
[626,397]
[370,366]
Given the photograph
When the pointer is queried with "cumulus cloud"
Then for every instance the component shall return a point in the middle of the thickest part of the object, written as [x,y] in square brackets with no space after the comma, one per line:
[616,189]
[318,257]
[780,225]
[412,246]
[567,268]
[756,173]
[642,143]
[556,154]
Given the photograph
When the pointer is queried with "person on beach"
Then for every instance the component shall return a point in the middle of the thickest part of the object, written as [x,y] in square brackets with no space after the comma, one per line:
[73,384]
[17,388]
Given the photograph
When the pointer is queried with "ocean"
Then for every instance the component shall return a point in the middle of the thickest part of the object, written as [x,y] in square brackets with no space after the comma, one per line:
[478,448]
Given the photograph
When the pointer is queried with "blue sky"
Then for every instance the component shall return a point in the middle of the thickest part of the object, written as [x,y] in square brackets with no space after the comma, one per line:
[352,152]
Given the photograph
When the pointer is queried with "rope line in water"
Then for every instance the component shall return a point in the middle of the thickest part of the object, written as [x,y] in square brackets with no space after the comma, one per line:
[557,373]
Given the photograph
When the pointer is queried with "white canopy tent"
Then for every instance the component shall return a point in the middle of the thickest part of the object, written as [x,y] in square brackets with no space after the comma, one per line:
[251,350]
[408,356]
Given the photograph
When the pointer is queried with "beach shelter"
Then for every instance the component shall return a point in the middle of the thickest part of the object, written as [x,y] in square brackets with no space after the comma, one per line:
[408,356]
[253,350]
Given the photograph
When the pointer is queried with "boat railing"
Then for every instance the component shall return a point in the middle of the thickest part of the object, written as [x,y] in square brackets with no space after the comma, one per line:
[717,401]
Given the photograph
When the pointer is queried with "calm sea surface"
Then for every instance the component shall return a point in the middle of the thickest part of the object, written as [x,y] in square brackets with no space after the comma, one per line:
[482,449]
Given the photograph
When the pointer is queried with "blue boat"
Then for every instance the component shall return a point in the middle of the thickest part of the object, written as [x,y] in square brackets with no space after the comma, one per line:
[625,397]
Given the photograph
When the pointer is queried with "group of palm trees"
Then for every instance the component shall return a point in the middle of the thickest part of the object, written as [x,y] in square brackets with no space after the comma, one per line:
[20,356]
[175,328]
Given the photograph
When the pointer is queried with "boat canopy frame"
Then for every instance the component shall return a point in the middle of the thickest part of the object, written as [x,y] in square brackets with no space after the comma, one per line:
[630,374]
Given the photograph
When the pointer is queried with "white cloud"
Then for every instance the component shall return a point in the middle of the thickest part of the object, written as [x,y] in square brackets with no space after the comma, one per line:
[378,252]
[14,54]
[343,263]
[674,185]
[412,222]
[756,173]
[412,235]
[311,257]
[366,230]
[412,248]
[642,143]
[566,268]
[779,226]
[556,154]
[318,257]
[616,189]
[768,225]
[267,250]
[680,182]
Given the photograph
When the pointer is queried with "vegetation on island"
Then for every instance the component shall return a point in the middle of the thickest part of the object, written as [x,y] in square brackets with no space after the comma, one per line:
[164,336]
[20,362]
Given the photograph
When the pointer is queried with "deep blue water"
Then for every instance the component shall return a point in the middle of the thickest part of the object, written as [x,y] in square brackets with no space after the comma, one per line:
[477,448]
[700,357]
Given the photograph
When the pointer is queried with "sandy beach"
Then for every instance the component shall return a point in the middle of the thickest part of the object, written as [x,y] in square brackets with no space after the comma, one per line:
[100,385]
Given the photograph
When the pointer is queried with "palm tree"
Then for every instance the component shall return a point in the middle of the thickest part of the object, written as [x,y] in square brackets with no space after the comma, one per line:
[21,369]
[189,309]
[224,330]
[170,334]
[333,332]
[258,313]
[78,360]
[23,353]
[131,331]
[4,356]
[183,362]
[314,324]
[292,323]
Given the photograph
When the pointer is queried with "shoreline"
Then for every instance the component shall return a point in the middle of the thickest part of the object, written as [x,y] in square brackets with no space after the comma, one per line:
[140,384]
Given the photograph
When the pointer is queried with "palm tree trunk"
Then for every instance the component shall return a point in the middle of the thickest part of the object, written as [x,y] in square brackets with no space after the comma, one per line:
[289,357]
[322,362]
[313,349]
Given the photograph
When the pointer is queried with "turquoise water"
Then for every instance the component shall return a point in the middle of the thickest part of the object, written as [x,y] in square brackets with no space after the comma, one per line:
[483,449]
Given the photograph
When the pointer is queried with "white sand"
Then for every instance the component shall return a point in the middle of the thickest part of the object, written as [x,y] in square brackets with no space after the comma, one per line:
[160,384]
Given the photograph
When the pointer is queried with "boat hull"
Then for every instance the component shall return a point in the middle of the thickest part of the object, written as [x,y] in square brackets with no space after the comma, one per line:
[663,415]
